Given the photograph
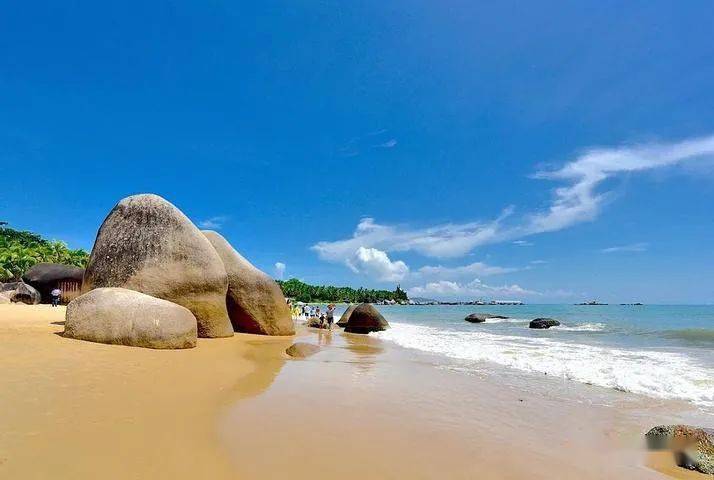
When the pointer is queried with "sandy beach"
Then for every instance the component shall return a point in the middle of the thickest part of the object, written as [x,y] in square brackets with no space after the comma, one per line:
[240,408]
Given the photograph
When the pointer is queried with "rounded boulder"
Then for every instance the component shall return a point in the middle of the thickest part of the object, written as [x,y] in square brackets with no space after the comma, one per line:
[20,292]
[302,350]
[255,301]
[481,317]
[542,323]
[148,245]
[126,317]
[364,319]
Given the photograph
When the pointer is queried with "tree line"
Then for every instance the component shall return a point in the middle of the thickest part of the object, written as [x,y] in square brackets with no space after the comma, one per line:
[20,250]
[304,292]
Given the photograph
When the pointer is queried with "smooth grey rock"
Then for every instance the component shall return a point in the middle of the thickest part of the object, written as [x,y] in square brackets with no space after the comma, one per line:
[126,317]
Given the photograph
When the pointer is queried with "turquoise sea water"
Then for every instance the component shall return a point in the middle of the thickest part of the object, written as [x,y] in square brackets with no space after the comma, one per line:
[656,350]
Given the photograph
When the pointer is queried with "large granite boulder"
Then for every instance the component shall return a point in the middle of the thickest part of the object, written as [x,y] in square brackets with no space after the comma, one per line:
[346,316]
[364,319]
[148,245]
[542,323]
[20,292]
[45,277]
[481,317]
[302,350]
[126,317]
[693,447]
[255,301]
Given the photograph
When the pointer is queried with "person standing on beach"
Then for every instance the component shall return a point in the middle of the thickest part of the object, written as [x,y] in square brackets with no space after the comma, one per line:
[56,293]
[330,315]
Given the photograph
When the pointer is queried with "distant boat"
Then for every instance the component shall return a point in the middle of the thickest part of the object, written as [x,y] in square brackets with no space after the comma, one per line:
[505,302]
[591,302]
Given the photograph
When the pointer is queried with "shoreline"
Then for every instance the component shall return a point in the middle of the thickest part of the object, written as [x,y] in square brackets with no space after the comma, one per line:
[239,407]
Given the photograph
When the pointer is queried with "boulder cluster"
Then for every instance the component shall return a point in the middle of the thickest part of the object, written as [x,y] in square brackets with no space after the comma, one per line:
[155,280]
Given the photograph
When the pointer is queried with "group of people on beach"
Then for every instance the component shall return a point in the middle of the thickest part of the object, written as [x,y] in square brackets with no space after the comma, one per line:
[325,318]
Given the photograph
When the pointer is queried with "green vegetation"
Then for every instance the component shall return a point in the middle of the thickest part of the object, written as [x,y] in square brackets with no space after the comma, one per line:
[21,250]
[303,292]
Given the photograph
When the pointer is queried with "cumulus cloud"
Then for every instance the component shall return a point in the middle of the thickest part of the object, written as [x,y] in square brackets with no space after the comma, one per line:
[474,288]
[633,247]
[376,264]
[579,199]
[279,270]
[213,223]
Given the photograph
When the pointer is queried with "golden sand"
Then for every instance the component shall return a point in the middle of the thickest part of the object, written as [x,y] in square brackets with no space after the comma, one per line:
[238,408]
[75,410]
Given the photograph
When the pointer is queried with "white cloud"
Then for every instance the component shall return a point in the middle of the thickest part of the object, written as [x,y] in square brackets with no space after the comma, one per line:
[391,143]
[441,241]
[214,223]
[376,264]
[634,247]
[473,269]
[474,288]
[279,270]
[577,201]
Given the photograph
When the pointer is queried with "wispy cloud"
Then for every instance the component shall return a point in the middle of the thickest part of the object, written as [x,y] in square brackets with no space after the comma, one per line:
[522,243]
[279,270]
[633,247]
[213,223]
[471,270]
[441,241]
[474,288]
[391,143]
[578,200]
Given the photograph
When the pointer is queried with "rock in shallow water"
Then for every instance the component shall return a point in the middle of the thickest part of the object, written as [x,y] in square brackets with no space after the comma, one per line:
[481,317]
[302,350]
[364,319]
[126,317]
[542,323]
[693,447]
[346,316]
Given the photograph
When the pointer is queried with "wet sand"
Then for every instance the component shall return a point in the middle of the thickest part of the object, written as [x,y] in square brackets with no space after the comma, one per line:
[239,408]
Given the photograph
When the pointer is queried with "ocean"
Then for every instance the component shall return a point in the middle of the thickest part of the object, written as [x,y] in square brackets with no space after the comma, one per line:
[659,351]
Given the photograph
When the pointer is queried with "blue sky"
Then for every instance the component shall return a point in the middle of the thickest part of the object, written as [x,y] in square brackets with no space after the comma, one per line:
[547,151]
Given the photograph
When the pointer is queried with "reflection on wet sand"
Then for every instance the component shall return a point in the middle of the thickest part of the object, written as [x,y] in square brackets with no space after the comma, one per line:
[267,355]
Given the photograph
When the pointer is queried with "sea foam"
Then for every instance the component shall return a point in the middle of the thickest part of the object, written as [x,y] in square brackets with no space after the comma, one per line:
[654,373]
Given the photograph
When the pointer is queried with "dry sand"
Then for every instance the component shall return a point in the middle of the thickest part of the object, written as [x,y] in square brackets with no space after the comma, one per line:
[238,408]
